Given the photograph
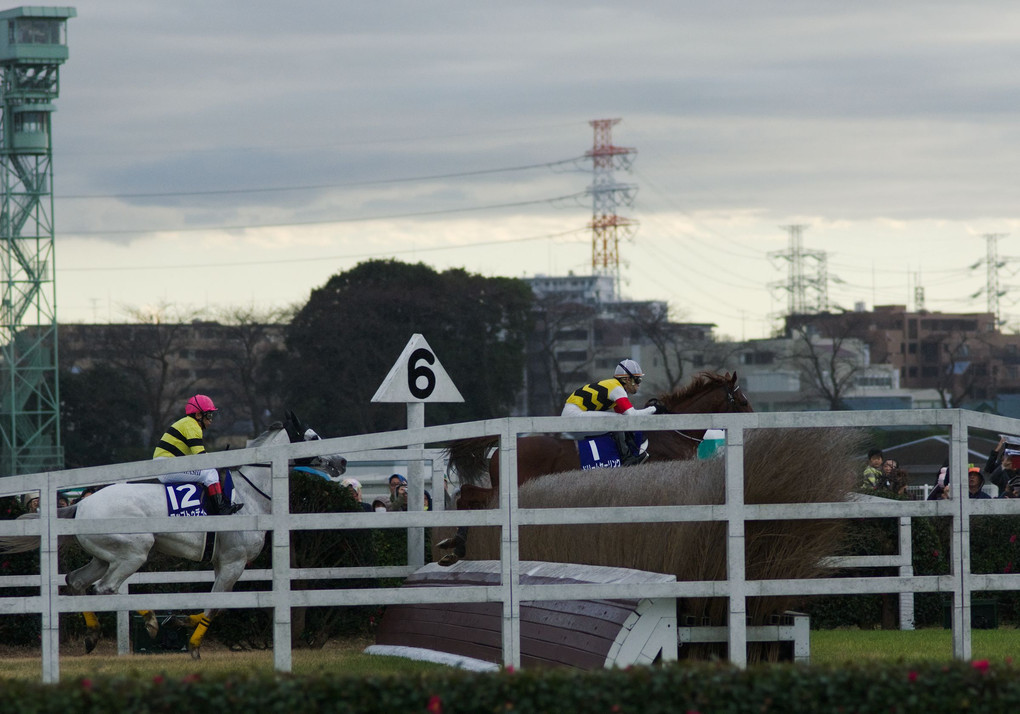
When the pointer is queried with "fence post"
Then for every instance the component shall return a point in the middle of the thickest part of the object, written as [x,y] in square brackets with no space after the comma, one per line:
[281,565]
[906,570]
[735,567]
[510,554]
[49,576]
[960,544]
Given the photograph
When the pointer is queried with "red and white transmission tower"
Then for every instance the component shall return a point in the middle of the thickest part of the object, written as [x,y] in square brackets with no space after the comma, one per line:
[606,227]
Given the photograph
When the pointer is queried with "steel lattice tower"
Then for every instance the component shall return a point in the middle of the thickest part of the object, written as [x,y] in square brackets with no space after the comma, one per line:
[798,283]
[32,47]
[606,226]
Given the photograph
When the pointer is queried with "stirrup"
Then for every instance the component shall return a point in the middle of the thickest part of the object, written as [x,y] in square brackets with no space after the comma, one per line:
[635,459]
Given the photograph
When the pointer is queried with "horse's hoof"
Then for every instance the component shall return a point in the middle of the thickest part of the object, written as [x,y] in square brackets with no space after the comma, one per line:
[448,560]
[456,543]
[196,652]
[152,624]
[91,640]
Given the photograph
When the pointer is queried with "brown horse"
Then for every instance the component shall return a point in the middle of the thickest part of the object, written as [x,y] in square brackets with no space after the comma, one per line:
[544,454]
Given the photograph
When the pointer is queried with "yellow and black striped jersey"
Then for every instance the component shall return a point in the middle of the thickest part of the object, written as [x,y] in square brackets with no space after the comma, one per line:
[603,396]
[183,438]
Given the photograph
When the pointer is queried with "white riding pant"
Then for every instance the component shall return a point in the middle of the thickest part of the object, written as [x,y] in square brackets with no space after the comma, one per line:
[572,410]
[206,477]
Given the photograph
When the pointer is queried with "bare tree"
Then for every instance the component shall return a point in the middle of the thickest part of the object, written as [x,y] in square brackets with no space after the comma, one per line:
[250,336]
[153,355]
[558,320]
[960,360]
[829,351]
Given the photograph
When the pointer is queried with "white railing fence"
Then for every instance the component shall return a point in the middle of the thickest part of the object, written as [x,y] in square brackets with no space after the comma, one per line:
[390,447]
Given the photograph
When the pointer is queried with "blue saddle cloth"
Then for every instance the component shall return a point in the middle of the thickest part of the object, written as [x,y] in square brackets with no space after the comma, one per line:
[600,452]
[188,499]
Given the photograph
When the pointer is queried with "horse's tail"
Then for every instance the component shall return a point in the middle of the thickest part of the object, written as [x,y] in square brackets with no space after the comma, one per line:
[469,458]
[26,544]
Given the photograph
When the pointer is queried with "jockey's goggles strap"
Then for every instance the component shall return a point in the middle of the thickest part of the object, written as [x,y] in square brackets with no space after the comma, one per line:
[629,373]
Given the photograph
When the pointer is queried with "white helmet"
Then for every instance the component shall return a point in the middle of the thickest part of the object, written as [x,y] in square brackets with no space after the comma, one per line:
[628,368]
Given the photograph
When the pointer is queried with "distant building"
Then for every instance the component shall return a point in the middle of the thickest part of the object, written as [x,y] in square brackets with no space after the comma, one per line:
[961,356]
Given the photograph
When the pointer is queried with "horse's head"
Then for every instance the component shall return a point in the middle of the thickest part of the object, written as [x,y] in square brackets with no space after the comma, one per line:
[334,464]
[707,393]
[296,430]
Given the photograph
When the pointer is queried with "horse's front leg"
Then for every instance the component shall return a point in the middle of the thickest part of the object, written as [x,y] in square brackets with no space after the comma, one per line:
[458,543]
[227,574]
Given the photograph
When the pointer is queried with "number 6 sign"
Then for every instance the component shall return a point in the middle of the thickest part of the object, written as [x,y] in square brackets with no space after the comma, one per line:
[417,376]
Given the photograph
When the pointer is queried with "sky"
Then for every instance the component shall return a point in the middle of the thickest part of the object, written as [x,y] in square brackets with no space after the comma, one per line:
[210,156]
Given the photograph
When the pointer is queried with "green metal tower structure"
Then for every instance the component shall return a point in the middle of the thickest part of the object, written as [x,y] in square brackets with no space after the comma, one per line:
[33,45]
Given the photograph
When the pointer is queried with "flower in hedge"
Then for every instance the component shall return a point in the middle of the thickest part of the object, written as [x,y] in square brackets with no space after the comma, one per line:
[158,679]
[1008,568]
[435,705]
[86,684]
[934,554]
[191,678]
[1012,538]
[911,676]
[981,665]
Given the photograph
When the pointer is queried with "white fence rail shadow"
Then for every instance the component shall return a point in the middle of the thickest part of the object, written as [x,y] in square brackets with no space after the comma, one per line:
[389,447]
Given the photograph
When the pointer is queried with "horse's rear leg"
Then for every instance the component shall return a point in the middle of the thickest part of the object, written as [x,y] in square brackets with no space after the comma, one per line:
[78,581]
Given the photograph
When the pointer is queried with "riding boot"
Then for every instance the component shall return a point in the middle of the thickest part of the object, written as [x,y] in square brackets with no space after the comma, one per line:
[214,504]
[637,456]
[629,453]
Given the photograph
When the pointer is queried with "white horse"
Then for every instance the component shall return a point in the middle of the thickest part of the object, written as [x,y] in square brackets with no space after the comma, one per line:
[116,557]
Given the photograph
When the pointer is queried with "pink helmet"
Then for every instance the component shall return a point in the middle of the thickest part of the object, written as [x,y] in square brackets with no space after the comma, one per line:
[199,404]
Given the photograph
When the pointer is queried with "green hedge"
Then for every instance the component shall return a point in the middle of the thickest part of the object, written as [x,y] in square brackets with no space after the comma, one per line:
[704,688]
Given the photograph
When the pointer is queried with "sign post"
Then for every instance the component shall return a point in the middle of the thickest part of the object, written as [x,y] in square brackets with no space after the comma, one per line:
[415,378]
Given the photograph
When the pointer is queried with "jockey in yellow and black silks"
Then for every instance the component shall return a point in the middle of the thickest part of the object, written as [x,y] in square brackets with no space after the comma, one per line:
[184,438]
[608,397]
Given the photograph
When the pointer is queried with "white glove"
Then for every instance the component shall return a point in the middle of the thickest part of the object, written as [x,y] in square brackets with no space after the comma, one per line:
[640,412]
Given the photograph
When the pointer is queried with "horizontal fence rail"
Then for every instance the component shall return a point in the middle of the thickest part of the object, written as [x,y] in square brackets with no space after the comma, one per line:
[390,447]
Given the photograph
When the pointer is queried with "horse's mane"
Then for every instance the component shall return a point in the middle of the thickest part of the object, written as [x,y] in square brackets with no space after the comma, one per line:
[702,381]
[274,429]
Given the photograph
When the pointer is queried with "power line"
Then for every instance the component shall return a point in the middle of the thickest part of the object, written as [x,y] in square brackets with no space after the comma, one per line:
[316,259]
[319,187]
[363,219]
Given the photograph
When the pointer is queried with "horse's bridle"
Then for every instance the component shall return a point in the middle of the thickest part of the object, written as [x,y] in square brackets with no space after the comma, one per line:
[257,490]
[731,402]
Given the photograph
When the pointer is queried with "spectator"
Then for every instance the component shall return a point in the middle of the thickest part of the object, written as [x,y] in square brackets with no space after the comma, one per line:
[62,501]
[975,480]
[1012,489]
[399,502]
[887,480]
[1001,465]
[941,490]
[395,481]
[87,491]
[355,487]
[32,502]
[873,471]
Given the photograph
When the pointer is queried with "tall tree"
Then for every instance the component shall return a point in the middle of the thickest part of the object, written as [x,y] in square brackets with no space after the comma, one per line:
[102,421]
[342,343]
